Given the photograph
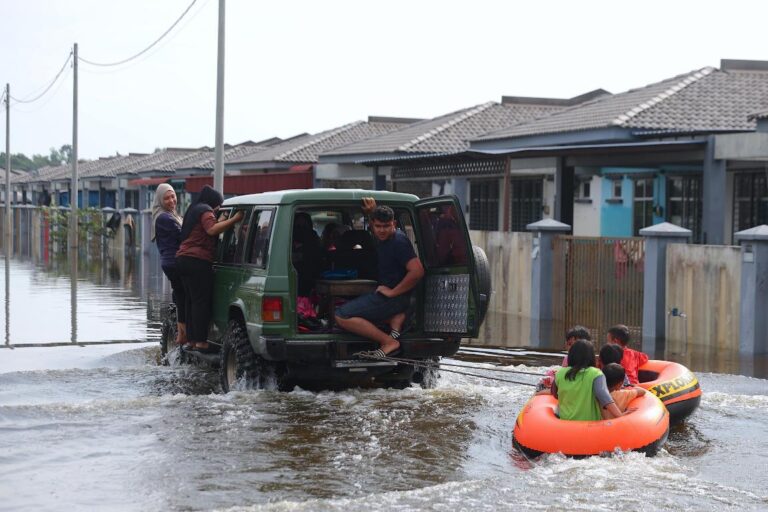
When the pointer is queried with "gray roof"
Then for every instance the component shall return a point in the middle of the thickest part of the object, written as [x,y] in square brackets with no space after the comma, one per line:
[43,174]
[448,133]
[704,100]
[162,162]
[206,160]
[306,149]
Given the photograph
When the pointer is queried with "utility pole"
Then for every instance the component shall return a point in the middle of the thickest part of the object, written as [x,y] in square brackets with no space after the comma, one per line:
[7,241]
[73,230]
[218,167]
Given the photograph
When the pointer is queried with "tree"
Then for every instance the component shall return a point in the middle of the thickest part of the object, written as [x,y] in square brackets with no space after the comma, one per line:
[61,156]
[20,161]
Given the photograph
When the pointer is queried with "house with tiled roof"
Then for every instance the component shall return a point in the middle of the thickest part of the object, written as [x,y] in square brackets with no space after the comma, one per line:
[286,163]
[435,143]
[690,150]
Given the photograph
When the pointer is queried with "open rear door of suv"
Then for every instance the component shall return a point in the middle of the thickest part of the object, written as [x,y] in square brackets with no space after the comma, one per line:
[450,288]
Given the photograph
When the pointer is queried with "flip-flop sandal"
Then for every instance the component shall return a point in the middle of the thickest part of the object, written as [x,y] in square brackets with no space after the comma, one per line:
[371,354]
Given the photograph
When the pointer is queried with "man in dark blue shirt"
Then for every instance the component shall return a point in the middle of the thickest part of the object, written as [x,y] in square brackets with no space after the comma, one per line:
[400,270]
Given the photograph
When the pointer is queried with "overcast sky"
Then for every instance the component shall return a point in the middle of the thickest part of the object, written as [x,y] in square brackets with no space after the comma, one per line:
[306,66]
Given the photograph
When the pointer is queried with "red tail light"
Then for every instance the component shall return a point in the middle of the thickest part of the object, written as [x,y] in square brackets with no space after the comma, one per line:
[272,309]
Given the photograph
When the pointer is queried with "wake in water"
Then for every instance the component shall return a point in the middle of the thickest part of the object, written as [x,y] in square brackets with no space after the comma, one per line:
[163,438]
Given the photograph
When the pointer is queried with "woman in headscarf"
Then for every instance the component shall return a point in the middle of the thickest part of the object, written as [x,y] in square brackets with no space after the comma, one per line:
[165,231]
[194,260]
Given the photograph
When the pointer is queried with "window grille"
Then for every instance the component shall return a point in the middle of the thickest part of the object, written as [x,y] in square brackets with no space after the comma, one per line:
[484,205]
[526,202]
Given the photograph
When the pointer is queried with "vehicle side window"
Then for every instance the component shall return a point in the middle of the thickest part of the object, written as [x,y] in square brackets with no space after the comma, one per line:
[405,224]
[261,226]
[232,241]
[444,243]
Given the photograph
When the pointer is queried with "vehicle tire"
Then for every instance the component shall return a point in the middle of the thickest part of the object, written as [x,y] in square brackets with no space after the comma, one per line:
[168,333]
[483,271]
[238,363]
[430,374]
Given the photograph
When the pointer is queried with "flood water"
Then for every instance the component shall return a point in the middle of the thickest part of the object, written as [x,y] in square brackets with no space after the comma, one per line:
[90,421]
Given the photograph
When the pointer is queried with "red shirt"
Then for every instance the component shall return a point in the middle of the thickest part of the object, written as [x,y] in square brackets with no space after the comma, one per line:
[200,244]
[631,361]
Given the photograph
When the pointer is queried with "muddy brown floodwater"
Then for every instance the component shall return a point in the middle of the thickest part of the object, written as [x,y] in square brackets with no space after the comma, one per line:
[104,427]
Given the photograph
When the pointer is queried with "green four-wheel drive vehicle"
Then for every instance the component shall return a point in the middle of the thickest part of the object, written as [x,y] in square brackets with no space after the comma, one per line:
[275,290]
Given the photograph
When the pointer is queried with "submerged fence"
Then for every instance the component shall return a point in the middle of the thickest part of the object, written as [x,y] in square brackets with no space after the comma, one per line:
[703,296]
[509,258]
[41,232]
[598,282]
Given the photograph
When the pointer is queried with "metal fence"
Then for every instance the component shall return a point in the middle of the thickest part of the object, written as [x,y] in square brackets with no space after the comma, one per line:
[598,282]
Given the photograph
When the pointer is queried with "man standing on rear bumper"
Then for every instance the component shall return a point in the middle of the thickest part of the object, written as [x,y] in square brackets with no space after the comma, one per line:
[400,270]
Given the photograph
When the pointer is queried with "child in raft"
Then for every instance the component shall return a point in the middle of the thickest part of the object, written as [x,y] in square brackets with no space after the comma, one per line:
[581,389]
[632,360]
[612,354]
[614,379]
[576,332]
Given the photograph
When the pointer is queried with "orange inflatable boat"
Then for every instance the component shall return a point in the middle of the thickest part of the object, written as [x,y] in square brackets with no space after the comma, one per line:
[538,430]
[674,384]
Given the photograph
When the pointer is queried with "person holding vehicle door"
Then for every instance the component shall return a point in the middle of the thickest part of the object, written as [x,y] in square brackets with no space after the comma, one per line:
[399,271]
[194,260]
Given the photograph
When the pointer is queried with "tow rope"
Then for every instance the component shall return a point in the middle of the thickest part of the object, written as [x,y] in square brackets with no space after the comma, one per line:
[441,367]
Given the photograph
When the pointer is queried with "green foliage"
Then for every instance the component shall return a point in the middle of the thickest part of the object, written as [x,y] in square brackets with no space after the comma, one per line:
[60,156]
[90,223]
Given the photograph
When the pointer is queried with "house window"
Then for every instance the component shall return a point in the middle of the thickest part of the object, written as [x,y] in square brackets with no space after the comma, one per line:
[750,200]
[585,190]
[642,211]
[484,205]
[684,204]
[617,189]
[526,201]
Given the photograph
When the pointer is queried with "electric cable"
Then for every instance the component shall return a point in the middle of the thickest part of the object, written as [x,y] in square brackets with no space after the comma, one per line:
[145,50]
[27,100]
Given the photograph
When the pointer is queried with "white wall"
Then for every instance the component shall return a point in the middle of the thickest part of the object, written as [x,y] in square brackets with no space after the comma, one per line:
[586,216]
[347,172]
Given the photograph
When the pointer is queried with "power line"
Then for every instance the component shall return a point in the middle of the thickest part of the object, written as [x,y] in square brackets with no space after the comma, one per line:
[17,100]
[145,50]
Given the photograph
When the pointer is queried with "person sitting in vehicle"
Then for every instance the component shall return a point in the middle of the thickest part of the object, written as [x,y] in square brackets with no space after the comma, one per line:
[306,253]
[632,360]
[612,354]
[399,271]
[614,379]
[580,388]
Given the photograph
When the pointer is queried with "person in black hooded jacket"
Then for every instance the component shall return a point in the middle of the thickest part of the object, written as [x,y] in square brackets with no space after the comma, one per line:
[194,261]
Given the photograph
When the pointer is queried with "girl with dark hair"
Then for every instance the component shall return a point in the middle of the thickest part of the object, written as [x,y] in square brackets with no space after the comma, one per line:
[194,261]
[581,389]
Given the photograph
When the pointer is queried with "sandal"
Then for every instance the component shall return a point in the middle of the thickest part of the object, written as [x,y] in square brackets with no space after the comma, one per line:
[377,354]
[371,354]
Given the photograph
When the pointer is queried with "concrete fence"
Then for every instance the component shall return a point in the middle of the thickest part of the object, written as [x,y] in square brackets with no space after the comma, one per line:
[509,257]
[702,297]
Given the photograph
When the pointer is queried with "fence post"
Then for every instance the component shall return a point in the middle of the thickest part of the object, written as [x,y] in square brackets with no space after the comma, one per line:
[657,238]
[542,314]
[753,320]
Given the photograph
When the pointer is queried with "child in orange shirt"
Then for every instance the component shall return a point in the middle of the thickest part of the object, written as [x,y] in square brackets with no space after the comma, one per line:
[614,379]
[632,360]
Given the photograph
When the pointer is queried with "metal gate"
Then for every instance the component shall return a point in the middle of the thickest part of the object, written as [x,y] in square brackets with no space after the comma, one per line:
[598,282]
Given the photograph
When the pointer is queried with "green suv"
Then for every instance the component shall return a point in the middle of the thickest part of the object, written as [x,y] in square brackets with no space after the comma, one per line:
[275,295]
